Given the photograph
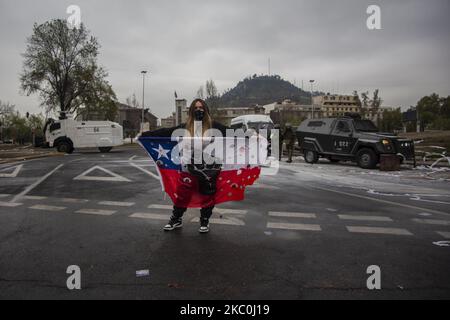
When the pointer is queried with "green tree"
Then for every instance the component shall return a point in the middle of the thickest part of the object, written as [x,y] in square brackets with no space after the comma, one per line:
[60,64]
[101,100]
[392,120]
[429,108]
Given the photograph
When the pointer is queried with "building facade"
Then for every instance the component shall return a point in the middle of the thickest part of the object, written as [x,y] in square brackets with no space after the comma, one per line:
[130,119]
[169,122]
[293,113]
[337,105]
[224,115]
[181,111]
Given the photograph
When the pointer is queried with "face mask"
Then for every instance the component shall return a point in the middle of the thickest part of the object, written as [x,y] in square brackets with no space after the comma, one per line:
[198,115]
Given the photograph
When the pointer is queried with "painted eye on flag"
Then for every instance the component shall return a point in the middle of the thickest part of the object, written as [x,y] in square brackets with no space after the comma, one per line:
[160,163]
[187,180]
[235,186]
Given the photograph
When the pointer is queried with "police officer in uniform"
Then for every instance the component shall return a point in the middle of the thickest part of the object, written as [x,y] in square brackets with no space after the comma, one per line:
[289,139]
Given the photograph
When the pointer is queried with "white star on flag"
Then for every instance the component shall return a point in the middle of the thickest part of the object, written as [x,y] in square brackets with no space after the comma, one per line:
[161,152]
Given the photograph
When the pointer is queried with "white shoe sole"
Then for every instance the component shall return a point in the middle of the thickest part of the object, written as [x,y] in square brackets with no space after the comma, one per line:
[203,231]
[173,228]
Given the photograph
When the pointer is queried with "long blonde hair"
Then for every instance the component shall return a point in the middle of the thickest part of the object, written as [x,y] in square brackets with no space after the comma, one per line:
[207,120]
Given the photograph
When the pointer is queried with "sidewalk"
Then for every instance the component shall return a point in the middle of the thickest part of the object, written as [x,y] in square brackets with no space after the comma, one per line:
[15,153]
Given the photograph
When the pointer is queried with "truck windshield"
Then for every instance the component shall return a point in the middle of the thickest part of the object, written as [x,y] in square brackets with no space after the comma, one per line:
[260,125]
[365,125]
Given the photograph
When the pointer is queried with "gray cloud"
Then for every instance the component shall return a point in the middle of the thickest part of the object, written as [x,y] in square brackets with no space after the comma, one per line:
[184,43]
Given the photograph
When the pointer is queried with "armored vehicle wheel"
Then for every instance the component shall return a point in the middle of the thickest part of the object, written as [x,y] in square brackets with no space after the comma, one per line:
[367,158]
[311,156]
[64,147]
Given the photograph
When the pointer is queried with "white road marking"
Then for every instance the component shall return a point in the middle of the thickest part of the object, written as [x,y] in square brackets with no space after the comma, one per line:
[230,221]
[378,230]
[160,206]
[380,200]
[294,226]
[34,198]
[444,234]
[73,200]
[97,212]
[116,203]
[113,177]
[151,216]
[151,174]
[9,204]
[432,221]
[292,214]
[364,218]
[47,208]
[34,185]
[229,211]
[4,195]
[12,174]
[131,158]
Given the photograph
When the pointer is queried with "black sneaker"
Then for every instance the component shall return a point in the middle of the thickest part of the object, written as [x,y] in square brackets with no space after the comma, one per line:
[204,226]
[173,224]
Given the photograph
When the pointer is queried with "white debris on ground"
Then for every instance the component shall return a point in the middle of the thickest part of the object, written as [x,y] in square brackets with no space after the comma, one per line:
[420,183]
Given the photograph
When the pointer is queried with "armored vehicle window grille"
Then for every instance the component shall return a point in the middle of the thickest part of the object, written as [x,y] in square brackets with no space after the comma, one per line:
[315,124]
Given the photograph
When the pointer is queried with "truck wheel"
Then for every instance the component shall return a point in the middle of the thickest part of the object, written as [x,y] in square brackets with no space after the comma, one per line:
[367,158]
[311,156]
[105,149]
[64,147]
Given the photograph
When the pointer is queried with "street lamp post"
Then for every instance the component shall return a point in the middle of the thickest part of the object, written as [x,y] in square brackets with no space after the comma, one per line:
[144,72]
[312,103]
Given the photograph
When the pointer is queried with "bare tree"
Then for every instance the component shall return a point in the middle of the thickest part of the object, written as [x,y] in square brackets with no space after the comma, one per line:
[200,93]
[376,101]
[132,101]
[211,89]
[365,99]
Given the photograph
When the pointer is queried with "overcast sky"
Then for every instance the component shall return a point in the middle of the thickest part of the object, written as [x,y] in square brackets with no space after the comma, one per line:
[184,43]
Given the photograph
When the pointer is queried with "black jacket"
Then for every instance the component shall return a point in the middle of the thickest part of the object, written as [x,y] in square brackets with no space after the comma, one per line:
[167,132]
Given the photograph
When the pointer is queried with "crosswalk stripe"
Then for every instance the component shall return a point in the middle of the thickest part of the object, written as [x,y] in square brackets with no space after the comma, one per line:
[364,218]
[294,226]
[432,221]
[292,214]
[96,211]
[9,204]
[116,203]
[444,234]
[160,206]
[47,208]
[378,230]
[229,211]
[230,221]
[73,200]
[152,216]
[34,198]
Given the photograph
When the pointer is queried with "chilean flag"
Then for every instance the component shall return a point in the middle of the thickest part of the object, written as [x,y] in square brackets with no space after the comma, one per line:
[182,186]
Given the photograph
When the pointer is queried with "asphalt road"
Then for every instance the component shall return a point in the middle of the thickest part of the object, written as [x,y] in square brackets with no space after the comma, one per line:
[308,232]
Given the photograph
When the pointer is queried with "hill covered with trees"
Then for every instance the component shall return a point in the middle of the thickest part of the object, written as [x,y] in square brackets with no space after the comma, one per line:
[262,90]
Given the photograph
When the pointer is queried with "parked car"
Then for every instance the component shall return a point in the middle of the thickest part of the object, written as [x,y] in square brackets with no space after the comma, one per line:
[350,138]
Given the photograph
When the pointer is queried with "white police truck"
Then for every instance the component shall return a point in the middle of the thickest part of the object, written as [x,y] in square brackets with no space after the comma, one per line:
[66,134]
